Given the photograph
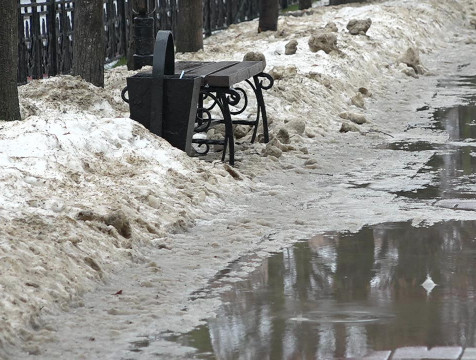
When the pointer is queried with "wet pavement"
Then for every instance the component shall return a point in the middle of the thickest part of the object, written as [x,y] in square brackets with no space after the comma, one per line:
[388,291]
[452,167]
[353,295]
[351,291]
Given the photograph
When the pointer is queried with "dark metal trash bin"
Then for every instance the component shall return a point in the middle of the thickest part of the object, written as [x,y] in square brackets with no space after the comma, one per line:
[179,110]
[163,102]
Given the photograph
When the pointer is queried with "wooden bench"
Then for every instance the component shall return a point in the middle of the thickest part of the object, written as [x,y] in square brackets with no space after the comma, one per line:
[172,100]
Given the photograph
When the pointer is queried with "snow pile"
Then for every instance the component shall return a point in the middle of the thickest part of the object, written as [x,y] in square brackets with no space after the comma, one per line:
[85,190]
[314,87]
[81,194]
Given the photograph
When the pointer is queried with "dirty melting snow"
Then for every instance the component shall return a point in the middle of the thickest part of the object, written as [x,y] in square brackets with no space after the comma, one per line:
[86,191]
[81,193]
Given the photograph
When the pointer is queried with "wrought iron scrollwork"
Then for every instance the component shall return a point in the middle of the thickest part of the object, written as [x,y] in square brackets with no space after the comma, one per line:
[204,115]
[269,80]
[222,98]
[236,103]
[230,101]
[204,95]
[199,150]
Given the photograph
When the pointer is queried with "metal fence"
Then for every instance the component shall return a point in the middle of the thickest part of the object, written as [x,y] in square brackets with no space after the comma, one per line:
[45,38]
[45,45]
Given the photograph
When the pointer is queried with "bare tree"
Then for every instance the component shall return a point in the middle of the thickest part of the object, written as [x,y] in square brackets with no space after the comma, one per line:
[88,41]
[305,4]
[189,34]
[268,15]
[9,106]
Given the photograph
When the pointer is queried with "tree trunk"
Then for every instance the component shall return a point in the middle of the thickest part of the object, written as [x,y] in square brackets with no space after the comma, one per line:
[131,44]
[268,15]
[189,34]
[88,41]
[305,4]
[9,106]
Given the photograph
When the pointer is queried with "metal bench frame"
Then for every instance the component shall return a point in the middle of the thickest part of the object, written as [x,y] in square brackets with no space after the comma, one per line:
[197,81]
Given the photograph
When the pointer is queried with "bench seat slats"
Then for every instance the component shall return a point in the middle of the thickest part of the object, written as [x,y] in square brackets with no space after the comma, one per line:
[235,74]
[188,65]
[207,69]
[222,73]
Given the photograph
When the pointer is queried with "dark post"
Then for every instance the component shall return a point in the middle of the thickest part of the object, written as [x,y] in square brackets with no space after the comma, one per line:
[305,4]
[174,16]
[65,27]
[268,15]
[131,47]
[143,36]
[229,12]
[207,18]
[37,71]
[22,62]
[121,9]
[52,39]
[220,14]
[111,42]
[153,13]
[107,16]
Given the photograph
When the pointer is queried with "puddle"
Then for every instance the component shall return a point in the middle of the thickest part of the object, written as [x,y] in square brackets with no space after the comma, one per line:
[411,146]
[452,175]
[387,287]
[453,165]
[461,82]
[459,122]
[347,295]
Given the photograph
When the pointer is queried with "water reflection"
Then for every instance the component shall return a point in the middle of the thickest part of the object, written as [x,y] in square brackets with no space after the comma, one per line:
[461,82]
[345,295]
[459,121]
[453,166]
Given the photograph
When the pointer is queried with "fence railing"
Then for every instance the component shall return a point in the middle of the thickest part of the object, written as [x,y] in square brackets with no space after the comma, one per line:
[45,41]
[45,44]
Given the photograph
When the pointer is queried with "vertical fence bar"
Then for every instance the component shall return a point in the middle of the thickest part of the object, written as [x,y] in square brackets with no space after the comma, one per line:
[106,15]
[22,58]
[50,50]
[173,16]
[228,12]
[36,48]
[66,31]
[206,18]
[52,39]
[110,23]
[122,43]
[220,14]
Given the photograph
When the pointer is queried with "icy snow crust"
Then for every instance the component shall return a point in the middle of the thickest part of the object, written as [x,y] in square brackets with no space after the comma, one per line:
[87,192]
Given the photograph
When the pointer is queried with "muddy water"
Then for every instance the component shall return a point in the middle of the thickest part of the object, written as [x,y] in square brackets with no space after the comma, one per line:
[389,286]
[346,295]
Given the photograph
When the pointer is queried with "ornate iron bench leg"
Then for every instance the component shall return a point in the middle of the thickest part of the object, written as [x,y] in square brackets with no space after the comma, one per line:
[258,87]
[229,137]
[223,98]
